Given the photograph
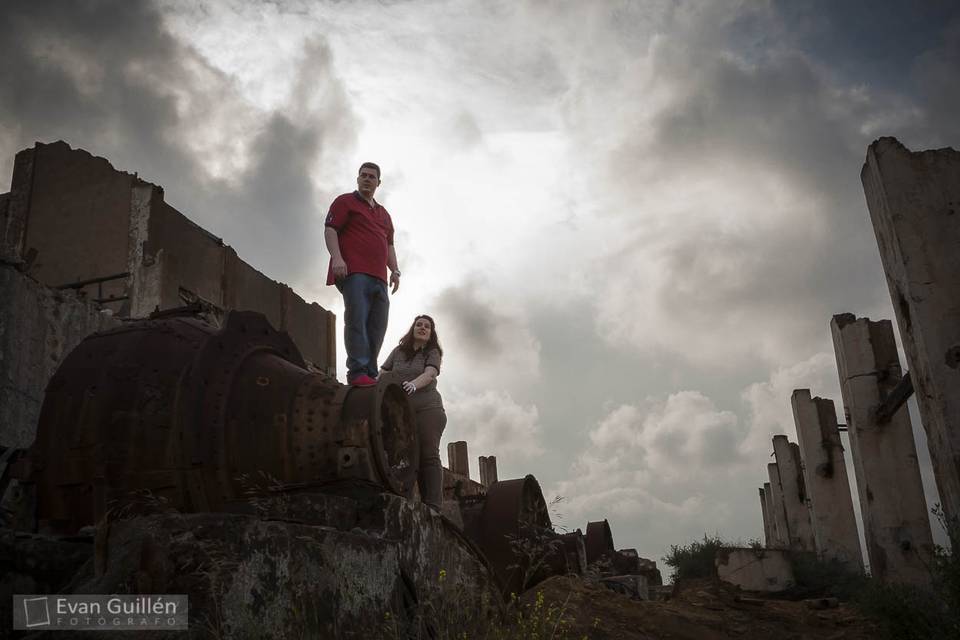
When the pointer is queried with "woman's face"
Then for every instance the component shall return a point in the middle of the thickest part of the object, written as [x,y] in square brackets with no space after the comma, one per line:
[421,330]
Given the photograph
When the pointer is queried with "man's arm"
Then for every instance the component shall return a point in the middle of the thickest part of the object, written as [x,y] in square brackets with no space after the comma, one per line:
[394,269]
[332,238]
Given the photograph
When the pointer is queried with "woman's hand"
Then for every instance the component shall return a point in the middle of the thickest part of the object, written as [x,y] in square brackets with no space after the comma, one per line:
[409,387]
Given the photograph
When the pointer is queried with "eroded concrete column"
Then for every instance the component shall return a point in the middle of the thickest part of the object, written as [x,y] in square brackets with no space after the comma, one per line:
[458,460]
[914,202]
[768,499]
[145,282]
[896,526]
[825,474]
[767,533]
[794,494]
[488,470]
[776,500]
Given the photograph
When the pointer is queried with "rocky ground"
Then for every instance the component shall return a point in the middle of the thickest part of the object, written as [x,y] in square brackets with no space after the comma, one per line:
[697,610]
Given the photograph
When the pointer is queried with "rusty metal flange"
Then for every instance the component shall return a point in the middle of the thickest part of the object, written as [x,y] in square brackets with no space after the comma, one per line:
[599,540]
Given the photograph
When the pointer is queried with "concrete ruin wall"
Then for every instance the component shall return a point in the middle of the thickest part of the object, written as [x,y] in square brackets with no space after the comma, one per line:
[5,222]
[13,213]
[914,203]
[38,327]
[72,217]
[895,521]
[76,217]
[769,570]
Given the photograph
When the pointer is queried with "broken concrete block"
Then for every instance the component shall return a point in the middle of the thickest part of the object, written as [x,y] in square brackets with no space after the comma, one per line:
[755,569]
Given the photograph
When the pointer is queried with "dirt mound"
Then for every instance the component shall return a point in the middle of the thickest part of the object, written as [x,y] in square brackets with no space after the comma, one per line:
[698,610]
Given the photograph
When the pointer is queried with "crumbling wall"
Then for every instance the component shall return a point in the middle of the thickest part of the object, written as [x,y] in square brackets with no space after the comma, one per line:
[755,569]
[38,327]
[78,216]
[72,217]
[5,222]
[14,214]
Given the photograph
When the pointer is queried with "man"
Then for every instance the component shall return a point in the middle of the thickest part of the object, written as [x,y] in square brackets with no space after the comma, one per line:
[359,237]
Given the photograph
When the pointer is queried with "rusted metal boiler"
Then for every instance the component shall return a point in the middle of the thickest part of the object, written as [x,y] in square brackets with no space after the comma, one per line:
[511,524]
[193,415]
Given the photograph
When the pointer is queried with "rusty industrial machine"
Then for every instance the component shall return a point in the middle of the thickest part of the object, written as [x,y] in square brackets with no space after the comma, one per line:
[194,414]
[511,524]
[601,551]
[180,411]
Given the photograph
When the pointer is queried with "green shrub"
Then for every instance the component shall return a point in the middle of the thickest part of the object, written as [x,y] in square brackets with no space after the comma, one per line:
[911,612]
[695,560]
[816,578]
[907,612]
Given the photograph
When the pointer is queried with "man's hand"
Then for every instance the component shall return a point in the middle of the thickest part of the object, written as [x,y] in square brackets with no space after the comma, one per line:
[339,267]
[395,281]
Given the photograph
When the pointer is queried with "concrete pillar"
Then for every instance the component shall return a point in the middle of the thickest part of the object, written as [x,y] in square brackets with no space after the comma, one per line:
[794,494]
[779,513]
[896,525]
[458,460]
[768,499]
[488,470]
[914,202]
[825,475]
[768,537]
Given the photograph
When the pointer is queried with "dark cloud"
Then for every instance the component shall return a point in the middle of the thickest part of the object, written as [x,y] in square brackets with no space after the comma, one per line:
[495,339]
[474,322]
[107,77]
[780,238]
[780,110]
[935,72]
[864,41]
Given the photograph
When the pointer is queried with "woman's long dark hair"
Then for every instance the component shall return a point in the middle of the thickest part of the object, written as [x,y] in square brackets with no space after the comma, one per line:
[406,342]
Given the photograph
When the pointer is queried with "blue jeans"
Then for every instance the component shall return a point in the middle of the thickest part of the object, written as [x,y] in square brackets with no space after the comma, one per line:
[366,307]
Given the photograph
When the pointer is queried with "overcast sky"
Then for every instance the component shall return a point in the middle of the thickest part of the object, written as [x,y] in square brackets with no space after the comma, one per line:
[632,221]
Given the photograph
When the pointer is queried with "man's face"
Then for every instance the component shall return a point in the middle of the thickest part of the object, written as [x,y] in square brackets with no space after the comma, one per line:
[367,181]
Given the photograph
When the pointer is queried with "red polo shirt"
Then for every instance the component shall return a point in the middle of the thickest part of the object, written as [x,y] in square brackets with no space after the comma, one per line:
[365,233]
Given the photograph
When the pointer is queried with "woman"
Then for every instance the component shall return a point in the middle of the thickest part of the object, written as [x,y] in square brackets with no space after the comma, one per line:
[417,361]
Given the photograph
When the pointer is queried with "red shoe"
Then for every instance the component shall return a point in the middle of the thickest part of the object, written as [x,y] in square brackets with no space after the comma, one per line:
[363,381]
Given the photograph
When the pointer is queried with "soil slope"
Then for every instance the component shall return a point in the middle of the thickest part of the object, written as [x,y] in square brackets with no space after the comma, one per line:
[698,610]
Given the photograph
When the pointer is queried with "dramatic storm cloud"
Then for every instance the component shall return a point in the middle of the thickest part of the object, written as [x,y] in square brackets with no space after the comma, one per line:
[109,77]
[631,221]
